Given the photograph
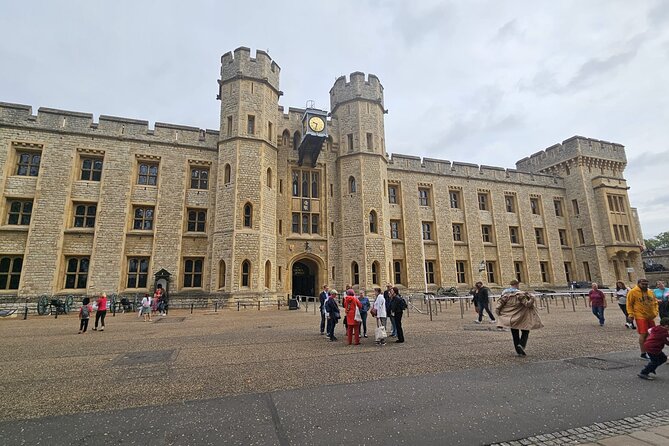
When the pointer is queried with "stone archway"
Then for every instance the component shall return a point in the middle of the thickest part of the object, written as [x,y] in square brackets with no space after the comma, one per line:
[305,276]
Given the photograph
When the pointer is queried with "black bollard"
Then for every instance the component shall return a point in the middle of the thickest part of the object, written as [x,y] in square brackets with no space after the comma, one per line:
[216,307]
[191,308]
[25,313]
[237,305]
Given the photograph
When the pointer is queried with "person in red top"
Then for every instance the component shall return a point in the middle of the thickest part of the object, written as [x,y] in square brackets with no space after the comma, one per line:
[658,337]
[352,326]
[598,303]
[101,312]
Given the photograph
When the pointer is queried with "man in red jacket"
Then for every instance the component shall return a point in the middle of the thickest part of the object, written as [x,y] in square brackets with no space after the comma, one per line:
[657,338]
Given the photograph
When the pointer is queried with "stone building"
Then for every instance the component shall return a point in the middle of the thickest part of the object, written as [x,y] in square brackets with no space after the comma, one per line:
[269,205]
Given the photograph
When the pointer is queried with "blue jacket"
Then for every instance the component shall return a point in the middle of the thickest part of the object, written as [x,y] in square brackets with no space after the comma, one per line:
[365,304]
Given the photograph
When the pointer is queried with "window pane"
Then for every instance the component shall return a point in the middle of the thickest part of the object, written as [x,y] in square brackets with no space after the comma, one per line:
[81,281]
[132,265]
[15,206]
[72,265]
[69,281]
[4,264]
[83,265]
[198,266]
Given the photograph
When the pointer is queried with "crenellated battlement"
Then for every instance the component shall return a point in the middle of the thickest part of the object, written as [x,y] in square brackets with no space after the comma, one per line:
[240,63]
[572,148]
[50,119]
[358,87]
[470,171]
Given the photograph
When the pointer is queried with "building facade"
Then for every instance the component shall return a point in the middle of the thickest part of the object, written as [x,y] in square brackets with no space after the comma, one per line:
[243,211]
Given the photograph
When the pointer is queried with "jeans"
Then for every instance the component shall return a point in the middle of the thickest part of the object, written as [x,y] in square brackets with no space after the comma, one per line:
[484,306]
[353,331]
[322,320]
[331,327]
[519,339]
[100,317]
[83,325]
[363,314]
[398,327]
[656,360]
[598,311]
[393,331]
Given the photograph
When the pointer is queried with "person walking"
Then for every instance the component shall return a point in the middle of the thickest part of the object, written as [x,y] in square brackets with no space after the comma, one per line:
[351,303]
[101,312]
[517,310]
[333,315]
[322,298]
[146,308]
[481,300]
[397,307]
[84,314]
[621,294]
[658,337]
[597,302]
[364,300]
[662,296]
[379,311]
[642,308]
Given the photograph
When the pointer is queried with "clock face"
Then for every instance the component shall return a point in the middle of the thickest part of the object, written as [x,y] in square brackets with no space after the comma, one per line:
[316,123]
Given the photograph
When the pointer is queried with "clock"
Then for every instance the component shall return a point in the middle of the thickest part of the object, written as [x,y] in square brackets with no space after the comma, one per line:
[316,123]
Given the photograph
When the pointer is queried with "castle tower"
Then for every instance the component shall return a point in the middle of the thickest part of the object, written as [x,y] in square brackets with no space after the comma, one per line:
[244,241]
[606,232]
[358,113]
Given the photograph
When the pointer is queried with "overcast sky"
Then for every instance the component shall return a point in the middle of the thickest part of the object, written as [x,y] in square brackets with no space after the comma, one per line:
[487,82]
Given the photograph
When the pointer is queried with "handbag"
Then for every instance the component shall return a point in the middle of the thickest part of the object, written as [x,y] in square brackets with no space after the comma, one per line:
[357,316]
[380,333]
[373,311]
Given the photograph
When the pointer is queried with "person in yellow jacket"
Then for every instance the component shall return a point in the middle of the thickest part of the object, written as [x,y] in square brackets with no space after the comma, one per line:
[642,307]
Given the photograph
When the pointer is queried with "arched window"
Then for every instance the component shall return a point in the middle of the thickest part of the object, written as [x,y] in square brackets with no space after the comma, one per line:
[351,185]
[268,274]
[285,138]
[246,273]
[269,177]
[296,140]
[375,273]
[248,215]
[355,274]
[221,274]
[373,227]
[226,174]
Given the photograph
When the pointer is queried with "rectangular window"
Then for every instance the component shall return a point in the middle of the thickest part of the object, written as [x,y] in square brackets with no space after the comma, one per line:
[197,220]
[296,223]
[484,201]
[28,163]
[429,271]
[486,233]
[91,169]
[615,233]
[397,271]
[514,235]
[461,271]
[545,274]
[567,271]
[574,205]
[534,206]
[199,178]
[581,237]
[143,218]
[10,272]
[370,142]
[423,197]
[315,227]
[519,270]
[392,194]
[586,271]
[76,272]
[490,268]
[84,215]
[280,227]
[332,229]
[628,238]
[147,174]
[454,198]
[457,232]
[621,203]
[193,272]
[539,235]
[270,134]
[251,125]
[305,223]
[349,139]
[395,230]
[229,128]
[510,202]
[19,212]
[562,233]
[138,272]
[427,231]
[557,204]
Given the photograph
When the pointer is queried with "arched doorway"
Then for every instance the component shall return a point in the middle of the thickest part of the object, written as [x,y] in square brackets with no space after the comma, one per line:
[304,276]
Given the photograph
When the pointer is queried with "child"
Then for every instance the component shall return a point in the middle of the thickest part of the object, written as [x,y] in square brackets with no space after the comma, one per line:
[84,314]
[657,338]
[146,308]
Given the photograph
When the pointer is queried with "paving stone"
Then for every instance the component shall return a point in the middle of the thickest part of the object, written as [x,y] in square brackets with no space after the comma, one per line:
[622,440]
[650,438]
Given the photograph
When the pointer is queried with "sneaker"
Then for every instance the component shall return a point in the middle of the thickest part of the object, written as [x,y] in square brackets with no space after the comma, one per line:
[628,325]
[645,356]
[521,350]
[476,321]
[494,321]
[102,329]
[95,329]
[364,336]
[79,332]
[645,376]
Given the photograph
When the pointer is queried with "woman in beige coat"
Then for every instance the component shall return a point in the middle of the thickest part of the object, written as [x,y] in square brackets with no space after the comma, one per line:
[517,310]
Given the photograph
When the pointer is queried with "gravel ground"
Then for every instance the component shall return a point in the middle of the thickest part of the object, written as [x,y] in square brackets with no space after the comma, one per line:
[49,369]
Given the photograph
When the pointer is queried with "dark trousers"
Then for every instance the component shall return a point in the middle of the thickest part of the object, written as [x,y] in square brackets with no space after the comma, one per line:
[83,325]
[623,307]
[331,327]
[398,327]
[656,360]
[100,317]
[519,338]
[484,306]
[322,321]
[363,314]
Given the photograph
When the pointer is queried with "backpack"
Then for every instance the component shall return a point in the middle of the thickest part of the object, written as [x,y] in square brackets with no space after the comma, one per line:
[85,312]
[403,303]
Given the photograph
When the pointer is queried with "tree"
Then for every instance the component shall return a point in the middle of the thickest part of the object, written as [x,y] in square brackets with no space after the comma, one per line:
[661,240]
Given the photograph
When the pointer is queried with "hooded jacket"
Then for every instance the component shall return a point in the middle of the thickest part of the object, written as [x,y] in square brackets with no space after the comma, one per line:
[641,305]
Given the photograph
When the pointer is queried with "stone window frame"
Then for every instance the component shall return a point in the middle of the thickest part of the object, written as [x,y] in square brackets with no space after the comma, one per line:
[355,273]
[77,269]
[398,269]
[461,271]
[373,222]
[396,229]
[491,271]
[92,172]
[535,204]
[28,162]
[458,232]
[581,236]
[149,176]
[227,174]
[192,278]
[200,174]
[544,270]
[540,236]
[427,230]
[424,198]
[568,271]
[518,239]
[519,270]
[510,203]
[455,199]
[83,217]
[430,271]
[376,270]
[136,273]
[247,215]
[564,237]
[393,197]
[195,220]
[221,274]
[22,216]
[487,234]
[558,206]
[352,186]
[139,222]
[483,199]
[245,276]
[10,273]
[268,274]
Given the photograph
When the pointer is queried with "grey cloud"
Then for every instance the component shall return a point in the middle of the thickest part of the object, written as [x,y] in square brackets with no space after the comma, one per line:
[415,25]
[648,159]
[509,30]
[659,15]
